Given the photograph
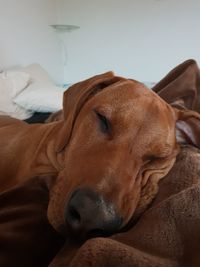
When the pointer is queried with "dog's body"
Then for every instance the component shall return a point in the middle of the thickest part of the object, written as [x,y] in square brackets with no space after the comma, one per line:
[116,139]
[26,150]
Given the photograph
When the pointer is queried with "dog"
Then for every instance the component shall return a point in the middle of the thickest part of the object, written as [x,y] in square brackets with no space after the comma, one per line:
[115,140]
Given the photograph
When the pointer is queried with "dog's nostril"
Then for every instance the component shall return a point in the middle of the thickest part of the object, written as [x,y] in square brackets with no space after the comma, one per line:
[74,215]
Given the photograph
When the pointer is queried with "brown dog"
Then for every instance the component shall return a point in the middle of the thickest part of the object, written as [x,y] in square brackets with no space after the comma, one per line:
[116,141]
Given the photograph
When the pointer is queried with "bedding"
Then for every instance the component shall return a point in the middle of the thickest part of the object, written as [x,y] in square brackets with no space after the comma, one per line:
[37,74]
[40,97]
[29,90]
[38,117]
[26,237]
[11,84]
[41,94]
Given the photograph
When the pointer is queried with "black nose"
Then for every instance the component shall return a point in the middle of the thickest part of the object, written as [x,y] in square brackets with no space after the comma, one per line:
[88,215]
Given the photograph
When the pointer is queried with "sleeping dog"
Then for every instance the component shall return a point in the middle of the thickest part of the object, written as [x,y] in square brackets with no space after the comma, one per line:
[114,143]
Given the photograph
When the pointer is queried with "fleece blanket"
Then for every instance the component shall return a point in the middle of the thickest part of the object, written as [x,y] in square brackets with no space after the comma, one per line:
[168,233]
[26,237]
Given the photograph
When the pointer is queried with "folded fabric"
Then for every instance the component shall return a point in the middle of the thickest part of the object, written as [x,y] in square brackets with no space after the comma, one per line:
[15,81]
[38,74]
[11,84]
[26,237]
[39,97]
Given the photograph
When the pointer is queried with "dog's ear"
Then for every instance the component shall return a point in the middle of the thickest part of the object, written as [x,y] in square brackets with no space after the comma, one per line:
[73,100]
[181,86]
[188,127]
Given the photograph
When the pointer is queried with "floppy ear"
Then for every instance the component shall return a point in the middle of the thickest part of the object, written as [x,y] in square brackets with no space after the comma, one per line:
[181,89]
[73,100]
[181,86]
[188,127]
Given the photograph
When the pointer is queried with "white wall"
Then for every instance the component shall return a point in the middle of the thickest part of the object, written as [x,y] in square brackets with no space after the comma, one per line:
[25,35]
[141,39]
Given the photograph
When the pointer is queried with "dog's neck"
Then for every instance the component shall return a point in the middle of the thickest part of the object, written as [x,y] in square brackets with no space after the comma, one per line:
[45,159]
[36,154]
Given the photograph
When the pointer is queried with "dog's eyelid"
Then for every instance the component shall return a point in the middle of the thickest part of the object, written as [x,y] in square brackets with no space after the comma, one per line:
[149,158]
[104,122]
[99,112]
[164,153]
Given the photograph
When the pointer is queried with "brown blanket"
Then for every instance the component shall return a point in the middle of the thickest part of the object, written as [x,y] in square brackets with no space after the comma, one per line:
[26,237]
[168,233]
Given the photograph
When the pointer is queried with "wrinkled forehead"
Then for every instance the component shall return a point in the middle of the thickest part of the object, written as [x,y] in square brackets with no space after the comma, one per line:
[135,112]
[131,98]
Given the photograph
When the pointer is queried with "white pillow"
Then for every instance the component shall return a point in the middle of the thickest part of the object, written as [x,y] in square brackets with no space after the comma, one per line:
[15,81]
[38,74]
[11,84]
[41,98]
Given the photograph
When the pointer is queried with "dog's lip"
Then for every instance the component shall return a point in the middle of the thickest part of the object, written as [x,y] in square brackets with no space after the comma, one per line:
[80,236]
[129,224]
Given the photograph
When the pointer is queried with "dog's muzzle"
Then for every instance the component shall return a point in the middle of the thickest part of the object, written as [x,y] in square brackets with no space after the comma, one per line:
[87,214]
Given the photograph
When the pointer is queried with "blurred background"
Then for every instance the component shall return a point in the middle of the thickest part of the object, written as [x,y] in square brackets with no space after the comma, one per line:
[141,39]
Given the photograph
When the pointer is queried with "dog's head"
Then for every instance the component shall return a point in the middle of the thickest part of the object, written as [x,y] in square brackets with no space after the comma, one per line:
[118,139]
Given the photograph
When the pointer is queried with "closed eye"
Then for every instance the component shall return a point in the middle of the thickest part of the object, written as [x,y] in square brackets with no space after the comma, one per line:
[163,153]
[151,158]
[104,123]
